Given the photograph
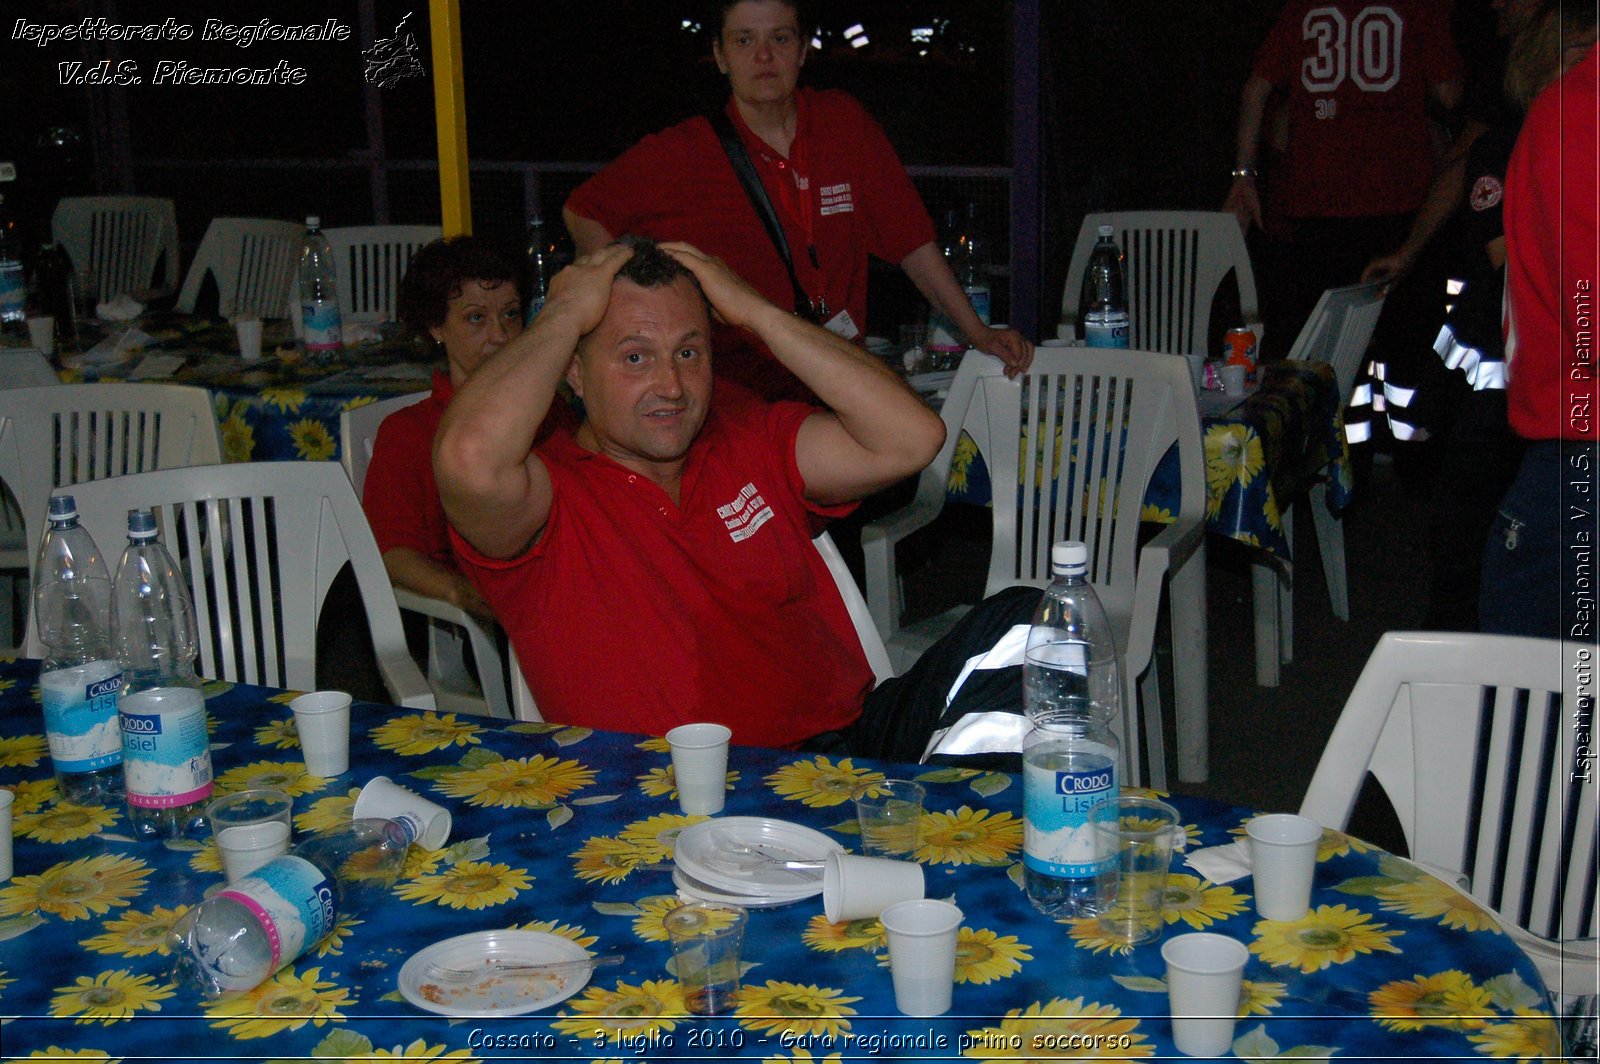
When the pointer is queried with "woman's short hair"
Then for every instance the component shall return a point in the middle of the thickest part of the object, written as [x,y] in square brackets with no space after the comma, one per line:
[1538,49]
[717,12]
[437,273]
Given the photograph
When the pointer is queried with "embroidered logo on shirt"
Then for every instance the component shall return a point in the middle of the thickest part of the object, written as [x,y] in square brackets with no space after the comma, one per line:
[747,512]
[836,199]
[1486,192]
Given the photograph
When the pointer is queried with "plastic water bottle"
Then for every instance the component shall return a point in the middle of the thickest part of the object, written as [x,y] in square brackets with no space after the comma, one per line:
[1071,677]
[319,294]
[79,679]
[1104,302]
[235,939]
[166,753]
[945,344]
[537,269]
[13,285]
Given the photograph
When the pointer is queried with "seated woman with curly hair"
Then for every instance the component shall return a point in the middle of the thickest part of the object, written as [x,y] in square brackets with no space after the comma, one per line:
[461,297]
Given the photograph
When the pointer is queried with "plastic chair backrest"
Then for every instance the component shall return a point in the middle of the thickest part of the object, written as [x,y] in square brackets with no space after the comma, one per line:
[260,544]
[1339,330]
[1471,738]
[358,428]
[370,260]
[120,238]
[254,262]
[66,434]
[1094,422]
[1174,261]
[871,641]
[23,367]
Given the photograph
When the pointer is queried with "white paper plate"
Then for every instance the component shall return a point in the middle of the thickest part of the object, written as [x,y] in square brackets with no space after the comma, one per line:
[712,853]
[507,994]
[689,887]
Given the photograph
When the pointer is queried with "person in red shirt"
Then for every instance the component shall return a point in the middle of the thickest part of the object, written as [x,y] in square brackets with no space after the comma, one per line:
[461,297]
[656,567]
[834,181]
[1539,571]
[1357,80]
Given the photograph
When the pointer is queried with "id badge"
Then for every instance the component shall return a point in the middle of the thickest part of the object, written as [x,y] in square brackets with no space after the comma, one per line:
[842,324]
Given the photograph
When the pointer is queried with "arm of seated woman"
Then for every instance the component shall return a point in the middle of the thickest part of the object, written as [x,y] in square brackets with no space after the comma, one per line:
[417,572]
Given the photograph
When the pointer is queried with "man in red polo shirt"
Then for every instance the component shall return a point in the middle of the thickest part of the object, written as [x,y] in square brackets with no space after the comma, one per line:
[656,568]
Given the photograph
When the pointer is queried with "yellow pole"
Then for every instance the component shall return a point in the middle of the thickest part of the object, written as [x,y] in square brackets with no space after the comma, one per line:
[450,114]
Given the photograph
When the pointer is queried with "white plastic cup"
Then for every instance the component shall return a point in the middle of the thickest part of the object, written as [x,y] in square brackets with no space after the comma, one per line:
[700,766]
[860,888]
[889,813]
[1133,840]
[322,720]
[6,798]
[249,332]
[427,823]
[1204,973]
[42,334]
[1283,858]
[1232,379]
[250,828]
[922,954]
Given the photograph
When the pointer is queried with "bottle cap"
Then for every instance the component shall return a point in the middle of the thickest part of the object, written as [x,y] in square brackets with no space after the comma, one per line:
[141,525]
[1105,231]
[313,221]
[535,219]
[63,507]
[1069,558]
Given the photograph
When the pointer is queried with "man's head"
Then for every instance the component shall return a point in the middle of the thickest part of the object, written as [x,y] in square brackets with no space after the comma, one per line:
[644,373]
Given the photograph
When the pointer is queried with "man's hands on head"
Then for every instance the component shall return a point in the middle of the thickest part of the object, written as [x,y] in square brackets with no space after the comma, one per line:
[581,292]
[732,300]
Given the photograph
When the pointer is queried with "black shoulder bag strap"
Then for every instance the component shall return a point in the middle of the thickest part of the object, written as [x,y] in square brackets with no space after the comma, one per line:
[745,170]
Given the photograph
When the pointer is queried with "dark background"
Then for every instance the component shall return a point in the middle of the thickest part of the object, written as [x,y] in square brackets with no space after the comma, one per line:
[1138,102]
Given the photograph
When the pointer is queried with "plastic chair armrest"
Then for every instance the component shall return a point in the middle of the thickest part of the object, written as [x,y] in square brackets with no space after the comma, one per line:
[879,539]
[1169,551]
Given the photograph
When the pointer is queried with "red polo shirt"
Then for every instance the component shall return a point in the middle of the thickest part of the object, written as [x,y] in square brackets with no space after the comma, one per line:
[858,199]
[631,613]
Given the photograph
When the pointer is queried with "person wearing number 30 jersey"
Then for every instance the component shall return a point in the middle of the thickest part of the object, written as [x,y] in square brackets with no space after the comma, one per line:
[1356,79]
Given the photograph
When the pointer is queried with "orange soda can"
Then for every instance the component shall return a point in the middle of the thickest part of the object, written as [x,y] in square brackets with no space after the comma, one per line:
[1239,347]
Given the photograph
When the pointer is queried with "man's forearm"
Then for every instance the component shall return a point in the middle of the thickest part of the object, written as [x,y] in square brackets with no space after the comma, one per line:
[930,272]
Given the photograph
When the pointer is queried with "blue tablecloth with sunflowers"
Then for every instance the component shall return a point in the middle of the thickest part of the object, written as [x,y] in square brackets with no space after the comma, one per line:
[553,829]
[281,407]
[1259,456]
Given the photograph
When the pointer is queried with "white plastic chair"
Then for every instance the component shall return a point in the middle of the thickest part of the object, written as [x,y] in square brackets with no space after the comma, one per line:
[450,628]
[370,260]
[1174,262]
[121,238]
[1472,739]
[65,434]
[1338,332]
[253,261]
[260,544]
[523,707]
[20,367]
[1114,414]
[24,367]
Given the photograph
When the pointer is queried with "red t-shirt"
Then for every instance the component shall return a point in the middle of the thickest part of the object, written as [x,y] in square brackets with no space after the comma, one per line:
[632,614]
[1553,261]
[400,495]
[679,185]
[1357,76]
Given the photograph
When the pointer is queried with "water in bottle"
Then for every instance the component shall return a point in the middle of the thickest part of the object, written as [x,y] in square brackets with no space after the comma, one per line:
[1072,692]
[537,269]
[1104,302]
[166,752]
[80,679]
[319,294]
[234,940]
[971,266]
[13,285]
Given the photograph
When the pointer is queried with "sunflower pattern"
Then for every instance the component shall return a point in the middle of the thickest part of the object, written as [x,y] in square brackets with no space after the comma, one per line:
[85,922]
[777,1006]
[820,783]
[22,751]
[425,733]
[290,777]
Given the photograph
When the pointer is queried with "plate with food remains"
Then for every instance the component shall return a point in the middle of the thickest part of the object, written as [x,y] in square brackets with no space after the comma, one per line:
[488,989]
